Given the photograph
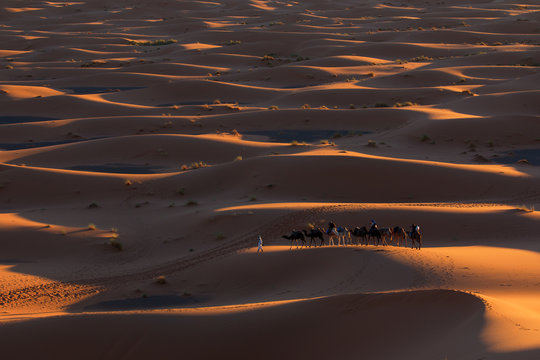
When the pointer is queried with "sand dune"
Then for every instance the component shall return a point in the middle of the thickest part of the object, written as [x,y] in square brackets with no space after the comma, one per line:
[144,146]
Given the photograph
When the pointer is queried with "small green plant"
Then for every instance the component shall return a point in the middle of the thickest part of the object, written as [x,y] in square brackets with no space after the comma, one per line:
[91,227]
[158,42]
[273,107]
[324,142]
[380,105]
[351,106]
[192,203]
[161,280]
[253,198]
[220,237]
[267,58]
[296,143]
[238,158]
[306,106]
[371,143]
[93,206]
[425,138]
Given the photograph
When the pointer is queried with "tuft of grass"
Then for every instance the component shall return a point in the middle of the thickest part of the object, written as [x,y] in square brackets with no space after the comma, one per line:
[267,57]
[425,138]
[158,42]
[273,107]
[115,243]
[91,227]
[405,103]
[380,105]
[253,198]
[192,203]
[324,142]
[233,42]
[351,106]
[93,206]
[468,93]
[371,143]
[525,208]
[161,280]
[220,237]
[128,182]
[421,58]
[238,158]
[306,106]
[181,191]
[296,143]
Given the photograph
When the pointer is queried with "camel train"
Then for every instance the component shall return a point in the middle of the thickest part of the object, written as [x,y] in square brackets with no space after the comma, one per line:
[338,235]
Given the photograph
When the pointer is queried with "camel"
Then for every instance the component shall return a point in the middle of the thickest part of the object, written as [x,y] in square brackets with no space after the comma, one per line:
[360,232]
[332,234]
[295,236]
[313,235]
[386,234]
[400,235]
[374,234]
[416,237]
[341,233]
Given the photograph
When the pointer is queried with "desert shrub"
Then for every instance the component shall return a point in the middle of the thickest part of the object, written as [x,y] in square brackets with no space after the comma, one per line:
[425,138]
[158,42]
[91,227]
[273,107]
[371,143]
[161,280]
[405,103]
[115,243]
[238,158]
[379,105]
[93,206]
[192,203]
[525,208]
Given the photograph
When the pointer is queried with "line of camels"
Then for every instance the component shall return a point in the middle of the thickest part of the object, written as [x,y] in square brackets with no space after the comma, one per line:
[385,236]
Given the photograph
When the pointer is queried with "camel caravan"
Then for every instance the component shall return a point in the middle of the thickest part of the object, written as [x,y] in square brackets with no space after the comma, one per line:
[338,235]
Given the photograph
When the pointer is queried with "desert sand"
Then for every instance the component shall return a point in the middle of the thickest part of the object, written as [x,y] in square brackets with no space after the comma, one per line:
[144,145]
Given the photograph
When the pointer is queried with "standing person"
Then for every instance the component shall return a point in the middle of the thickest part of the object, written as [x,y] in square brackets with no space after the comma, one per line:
[260,244]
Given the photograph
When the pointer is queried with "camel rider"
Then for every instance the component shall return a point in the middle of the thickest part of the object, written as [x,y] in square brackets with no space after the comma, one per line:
[415,229]
[373,225]
[331,226]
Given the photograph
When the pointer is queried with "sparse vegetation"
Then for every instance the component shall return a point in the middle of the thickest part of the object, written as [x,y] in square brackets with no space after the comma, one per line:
[379,105]
[525,208]
[405,103]
[91,227]
[425,138]
[115,243]
[306,106]
[238,158]
[93,206]
[296,143]
[273,107]
[158,42]
[192,203]
[194,165]
[220,237]
[128,182]
[421,58]
[162,280]
[371,143]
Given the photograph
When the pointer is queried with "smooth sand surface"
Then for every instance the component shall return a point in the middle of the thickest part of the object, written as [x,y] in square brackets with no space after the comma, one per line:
[144,146]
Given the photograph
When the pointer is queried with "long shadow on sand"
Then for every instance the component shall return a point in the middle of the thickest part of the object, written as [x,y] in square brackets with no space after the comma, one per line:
[19,119]
[289,135]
